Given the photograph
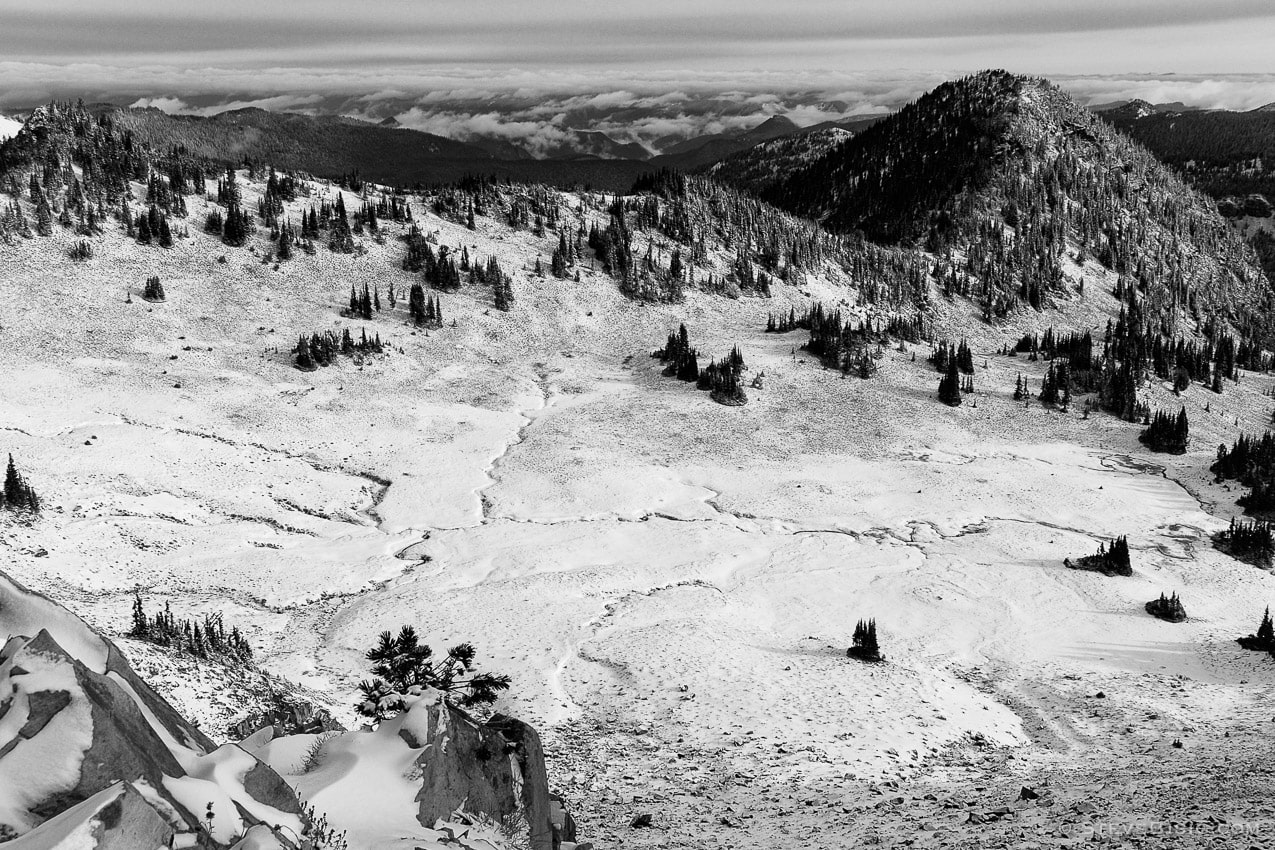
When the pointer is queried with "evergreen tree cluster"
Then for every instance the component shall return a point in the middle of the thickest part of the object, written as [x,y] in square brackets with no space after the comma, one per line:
[1076,347]
[502,284]
[566,255]
[279,189]
[1168,608]
[234,227]
[1250,541]
[960,354]
[1055,387]
[18,496]
[950,385]
[77,166]
[1250,461]
[1167,433]
[169,194]
[426,311]
[864,645]
[1132,350]
[828,319]
[154,289]
[440,270]
[523,206]
[150,227]
[402,666]
[769,243]
[323,347]
[444,272]
[364,304]
[340,235]
[1110,560]
[842,344]
[208,639]
[1263,640]
[720,378]
[681,358]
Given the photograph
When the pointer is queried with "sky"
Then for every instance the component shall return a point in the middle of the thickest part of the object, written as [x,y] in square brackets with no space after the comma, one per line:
[417,59]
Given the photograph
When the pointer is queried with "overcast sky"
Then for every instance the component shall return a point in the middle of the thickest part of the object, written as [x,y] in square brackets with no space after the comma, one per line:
[1221,49]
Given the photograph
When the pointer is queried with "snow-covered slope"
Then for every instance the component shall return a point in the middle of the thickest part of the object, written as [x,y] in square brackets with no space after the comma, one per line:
[671,583]
[9,127]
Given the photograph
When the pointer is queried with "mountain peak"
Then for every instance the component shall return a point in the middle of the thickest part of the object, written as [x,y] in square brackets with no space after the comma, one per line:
[999,159]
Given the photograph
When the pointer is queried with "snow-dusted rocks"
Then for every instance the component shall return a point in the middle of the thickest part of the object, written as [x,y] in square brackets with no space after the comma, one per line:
[497,768]
[420,771]
[76,723]
[117,818]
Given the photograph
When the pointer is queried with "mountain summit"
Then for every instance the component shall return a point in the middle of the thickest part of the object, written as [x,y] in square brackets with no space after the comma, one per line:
[1007,177]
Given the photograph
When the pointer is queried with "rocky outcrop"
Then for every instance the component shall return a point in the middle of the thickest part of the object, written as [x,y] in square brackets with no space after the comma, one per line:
[495,768]
[76,723]
[287,715]
[116,818]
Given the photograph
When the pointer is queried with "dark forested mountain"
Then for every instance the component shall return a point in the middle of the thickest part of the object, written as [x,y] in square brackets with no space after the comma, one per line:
[1005,178]
[762,166]
[322,145]
[334,147]
[1222,153]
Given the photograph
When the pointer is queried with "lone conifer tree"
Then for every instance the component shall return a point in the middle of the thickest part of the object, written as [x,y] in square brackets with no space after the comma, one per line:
[402,665]
[18,494]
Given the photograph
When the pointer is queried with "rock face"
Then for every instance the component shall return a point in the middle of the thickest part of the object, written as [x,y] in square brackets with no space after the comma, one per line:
[495,768]
[287,715]
[78,726]
[117,818]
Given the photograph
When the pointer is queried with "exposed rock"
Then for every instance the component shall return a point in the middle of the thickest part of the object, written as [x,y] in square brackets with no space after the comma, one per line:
[118,818]
[93,726]
[642,821]
[288,715]
[564,826]
[496,769]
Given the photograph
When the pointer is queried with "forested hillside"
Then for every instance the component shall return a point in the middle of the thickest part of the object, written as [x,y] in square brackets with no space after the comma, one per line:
[1009,181]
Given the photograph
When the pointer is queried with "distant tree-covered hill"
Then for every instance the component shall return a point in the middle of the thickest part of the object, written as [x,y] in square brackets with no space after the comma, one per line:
[1008,179]
[1220,152]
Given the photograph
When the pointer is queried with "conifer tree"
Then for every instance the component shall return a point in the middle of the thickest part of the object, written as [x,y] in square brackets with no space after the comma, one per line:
[950,385]
[18,495]
[864,644]
[401,663]
[1167,433]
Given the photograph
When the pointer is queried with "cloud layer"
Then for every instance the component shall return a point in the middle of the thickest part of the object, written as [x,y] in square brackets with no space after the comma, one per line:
[1050,36]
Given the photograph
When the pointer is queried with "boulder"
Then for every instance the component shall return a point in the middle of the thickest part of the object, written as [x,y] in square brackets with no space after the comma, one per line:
[564,826]
[495,768]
